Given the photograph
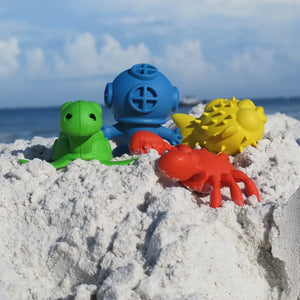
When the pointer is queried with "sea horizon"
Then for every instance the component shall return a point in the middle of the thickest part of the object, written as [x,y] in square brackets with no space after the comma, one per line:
[27,122]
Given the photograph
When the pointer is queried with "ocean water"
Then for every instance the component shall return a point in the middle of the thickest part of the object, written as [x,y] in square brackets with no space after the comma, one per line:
[25,123]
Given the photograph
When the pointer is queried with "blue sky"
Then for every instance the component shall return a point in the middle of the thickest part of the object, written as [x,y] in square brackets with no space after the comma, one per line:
[57,51]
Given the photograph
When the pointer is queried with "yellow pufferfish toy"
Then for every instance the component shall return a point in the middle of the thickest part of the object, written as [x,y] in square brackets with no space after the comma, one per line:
[226,126]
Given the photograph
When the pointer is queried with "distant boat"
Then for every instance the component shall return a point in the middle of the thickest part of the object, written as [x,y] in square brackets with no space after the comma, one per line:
[189,101]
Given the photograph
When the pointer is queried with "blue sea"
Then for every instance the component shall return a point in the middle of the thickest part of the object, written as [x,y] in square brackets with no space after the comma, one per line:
[25,123]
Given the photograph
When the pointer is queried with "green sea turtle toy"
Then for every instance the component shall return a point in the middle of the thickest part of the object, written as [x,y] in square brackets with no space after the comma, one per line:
[81,136]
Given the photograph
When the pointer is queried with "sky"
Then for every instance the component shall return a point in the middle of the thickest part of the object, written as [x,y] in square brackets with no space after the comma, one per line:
[57,51]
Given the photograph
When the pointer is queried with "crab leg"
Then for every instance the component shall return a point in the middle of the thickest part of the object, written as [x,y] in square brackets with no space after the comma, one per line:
[235,191]
[250,186]
[215,196]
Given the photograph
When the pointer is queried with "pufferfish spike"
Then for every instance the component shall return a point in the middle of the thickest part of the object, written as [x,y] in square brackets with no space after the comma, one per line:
[221,103]
[223,122]
[245,139]
[223,148]
[230,116]
[229,103]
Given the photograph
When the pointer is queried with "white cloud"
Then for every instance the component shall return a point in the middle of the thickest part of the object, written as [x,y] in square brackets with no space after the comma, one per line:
[253,72]
[81,57]
[205,47]
[250,72]
[255,63]
[247,71]
[35,61]
[185,64]
[9,51]
[114,58]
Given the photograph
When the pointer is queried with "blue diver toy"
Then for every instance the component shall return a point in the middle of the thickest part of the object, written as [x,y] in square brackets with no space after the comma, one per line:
[141,99]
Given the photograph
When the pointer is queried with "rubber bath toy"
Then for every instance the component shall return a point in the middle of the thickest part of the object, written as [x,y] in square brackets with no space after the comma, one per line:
[141,98]
[80,123]
[226,126]
[197,169]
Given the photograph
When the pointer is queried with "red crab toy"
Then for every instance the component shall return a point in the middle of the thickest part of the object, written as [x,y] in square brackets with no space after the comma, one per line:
[142,141]
[196,168]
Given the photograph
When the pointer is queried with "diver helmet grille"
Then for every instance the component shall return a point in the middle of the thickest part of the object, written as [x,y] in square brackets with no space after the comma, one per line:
[143,98]
[144,71]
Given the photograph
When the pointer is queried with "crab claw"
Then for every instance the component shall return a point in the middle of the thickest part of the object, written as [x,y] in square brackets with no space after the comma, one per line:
[142,141]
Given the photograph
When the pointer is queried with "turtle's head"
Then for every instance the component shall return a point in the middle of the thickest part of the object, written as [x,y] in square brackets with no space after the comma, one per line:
[80,118]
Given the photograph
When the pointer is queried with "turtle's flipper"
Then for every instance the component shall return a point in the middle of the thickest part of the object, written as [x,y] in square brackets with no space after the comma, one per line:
[63,161]
[23,161]
[118,162]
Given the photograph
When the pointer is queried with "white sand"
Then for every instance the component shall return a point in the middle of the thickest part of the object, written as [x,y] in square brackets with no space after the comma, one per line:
[124,232]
